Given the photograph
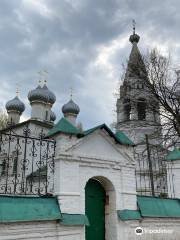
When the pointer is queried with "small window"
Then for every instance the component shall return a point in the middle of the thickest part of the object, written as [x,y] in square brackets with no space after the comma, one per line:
[46,117]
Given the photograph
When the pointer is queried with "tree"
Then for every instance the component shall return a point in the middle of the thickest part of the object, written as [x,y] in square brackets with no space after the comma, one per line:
[3,119]
[164,84]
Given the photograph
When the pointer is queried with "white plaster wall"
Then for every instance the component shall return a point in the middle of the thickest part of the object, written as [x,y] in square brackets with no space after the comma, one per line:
[126,230]
[13,117]
[67,186]
[96,156]
[72,179]
[173,178]
[40,230]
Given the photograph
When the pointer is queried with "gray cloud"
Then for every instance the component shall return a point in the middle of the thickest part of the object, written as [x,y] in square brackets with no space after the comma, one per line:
[82,44]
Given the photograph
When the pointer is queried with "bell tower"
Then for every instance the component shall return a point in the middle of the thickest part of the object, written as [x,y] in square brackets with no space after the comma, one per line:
[137,109]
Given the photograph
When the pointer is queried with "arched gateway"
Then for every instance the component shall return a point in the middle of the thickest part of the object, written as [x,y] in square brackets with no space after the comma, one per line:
[95,210]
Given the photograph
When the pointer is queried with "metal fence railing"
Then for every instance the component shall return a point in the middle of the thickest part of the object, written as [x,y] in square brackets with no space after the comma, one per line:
[151,171]
[26,164]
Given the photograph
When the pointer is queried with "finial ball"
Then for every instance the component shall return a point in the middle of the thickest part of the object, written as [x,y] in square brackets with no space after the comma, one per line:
[134,38]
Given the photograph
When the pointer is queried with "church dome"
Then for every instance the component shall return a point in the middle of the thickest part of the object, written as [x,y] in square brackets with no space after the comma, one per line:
[50,95]
[70,107]
[52,116]
[15,105]
[42,94]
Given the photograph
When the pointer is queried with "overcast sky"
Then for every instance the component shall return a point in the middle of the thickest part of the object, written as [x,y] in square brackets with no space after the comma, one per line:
[82,44]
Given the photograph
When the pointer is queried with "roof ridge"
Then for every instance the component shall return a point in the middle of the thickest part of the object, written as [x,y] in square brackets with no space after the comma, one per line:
[64,126]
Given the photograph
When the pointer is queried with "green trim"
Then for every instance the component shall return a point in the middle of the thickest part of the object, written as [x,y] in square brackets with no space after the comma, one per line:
[159,207]
[173,155]
[126,214]
[74,219]
[22,209]
[152,207]
[63,126]
[123,138]
[91,130]
[119,137]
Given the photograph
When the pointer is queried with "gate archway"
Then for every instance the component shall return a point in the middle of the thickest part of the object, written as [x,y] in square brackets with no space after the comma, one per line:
[95,210]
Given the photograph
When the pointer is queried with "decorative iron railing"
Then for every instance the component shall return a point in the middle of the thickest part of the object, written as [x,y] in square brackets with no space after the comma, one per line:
[26,164]
[151,169]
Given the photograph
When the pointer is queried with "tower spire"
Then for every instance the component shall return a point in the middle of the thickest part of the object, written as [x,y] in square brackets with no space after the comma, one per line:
[136,66]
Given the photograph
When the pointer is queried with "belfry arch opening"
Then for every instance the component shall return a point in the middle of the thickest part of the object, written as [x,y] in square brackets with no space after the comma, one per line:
[127,109]
[141,108]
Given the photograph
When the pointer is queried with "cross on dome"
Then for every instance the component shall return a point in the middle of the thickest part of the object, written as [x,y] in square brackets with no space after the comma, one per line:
[43,74]
[71,92]
[134,38]
[17,89]
[134,25]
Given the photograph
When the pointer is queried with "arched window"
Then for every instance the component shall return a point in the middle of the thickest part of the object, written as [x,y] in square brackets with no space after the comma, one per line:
[127,109]
[141,109]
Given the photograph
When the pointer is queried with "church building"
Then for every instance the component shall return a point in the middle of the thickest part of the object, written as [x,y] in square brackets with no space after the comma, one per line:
[59,181]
